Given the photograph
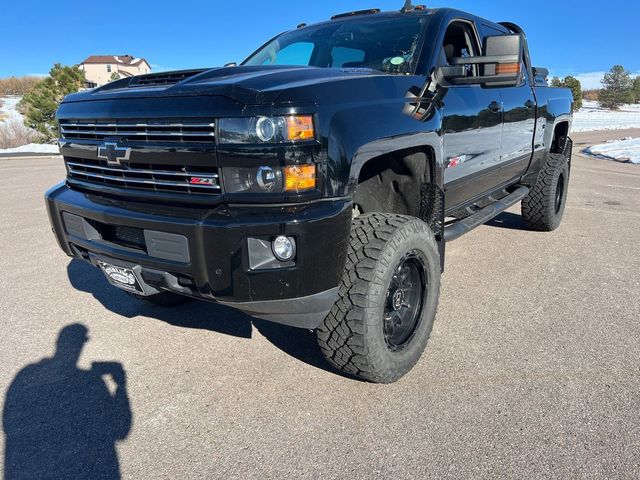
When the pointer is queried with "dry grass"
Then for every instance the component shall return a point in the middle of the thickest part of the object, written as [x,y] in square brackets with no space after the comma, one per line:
[591,94]
[17,85]
[14,133]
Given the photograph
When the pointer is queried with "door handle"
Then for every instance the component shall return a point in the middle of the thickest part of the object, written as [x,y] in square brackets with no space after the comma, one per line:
[495,107]
[528,104]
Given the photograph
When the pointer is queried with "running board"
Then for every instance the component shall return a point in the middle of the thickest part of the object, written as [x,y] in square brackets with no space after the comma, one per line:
[459,228]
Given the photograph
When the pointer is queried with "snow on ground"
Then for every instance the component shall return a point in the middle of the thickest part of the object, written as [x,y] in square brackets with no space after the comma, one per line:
[592,117]
[625,150]
[32,148]
[9,114]
[9,109]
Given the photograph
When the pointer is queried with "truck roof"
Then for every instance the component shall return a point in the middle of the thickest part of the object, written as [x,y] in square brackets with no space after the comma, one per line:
[420,10]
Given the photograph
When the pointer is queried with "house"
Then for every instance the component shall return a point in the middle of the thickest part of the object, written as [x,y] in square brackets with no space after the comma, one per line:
[101,69]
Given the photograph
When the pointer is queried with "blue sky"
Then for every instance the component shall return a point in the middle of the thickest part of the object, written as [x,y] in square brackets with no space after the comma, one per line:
[574,37]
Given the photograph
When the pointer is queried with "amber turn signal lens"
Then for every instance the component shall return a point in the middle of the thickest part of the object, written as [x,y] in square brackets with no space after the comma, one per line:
[300,127]
[299,177]
[507,68]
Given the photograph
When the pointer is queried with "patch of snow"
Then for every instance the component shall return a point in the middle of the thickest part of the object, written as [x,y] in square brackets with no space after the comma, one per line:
[9,109]
[624,150]
[593,117]
[33,148]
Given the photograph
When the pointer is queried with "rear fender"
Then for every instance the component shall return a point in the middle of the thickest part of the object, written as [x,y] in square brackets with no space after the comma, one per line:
[558,111]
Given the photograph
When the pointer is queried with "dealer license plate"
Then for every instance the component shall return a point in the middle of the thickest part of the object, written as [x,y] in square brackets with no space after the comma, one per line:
[121,277]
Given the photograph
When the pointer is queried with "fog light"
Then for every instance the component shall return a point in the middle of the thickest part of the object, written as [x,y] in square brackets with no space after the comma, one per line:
[284,248]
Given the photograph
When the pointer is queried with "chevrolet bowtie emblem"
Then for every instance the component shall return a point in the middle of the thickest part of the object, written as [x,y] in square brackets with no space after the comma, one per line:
[113,154]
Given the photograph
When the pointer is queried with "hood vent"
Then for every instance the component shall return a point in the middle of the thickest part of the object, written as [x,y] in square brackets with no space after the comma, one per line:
[168,78]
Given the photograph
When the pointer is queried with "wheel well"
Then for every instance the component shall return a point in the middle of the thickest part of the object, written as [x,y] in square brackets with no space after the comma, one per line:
[392,183]
[560,131]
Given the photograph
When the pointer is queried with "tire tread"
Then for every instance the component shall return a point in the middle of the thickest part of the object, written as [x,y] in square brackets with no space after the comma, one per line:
[538,207]
[341,334]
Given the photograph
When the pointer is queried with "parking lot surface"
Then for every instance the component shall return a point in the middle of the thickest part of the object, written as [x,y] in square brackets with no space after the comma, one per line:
[532,370]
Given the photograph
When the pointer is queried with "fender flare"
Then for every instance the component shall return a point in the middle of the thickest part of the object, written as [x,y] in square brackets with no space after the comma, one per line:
[386,146]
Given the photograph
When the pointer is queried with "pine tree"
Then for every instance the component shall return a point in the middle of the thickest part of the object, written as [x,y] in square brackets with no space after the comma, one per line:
[574,85]
[41,103]
[114,76]
[636,89]
[617,89]
[576,89]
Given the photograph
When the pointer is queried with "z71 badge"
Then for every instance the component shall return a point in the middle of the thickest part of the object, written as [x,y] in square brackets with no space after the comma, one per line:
[455,161]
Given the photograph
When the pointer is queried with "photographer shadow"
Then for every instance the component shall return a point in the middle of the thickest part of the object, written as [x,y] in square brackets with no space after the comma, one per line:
[61,421]
[296,342]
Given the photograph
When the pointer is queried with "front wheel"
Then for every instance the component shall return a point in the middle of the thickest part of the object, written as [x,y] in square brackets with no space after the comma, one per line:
[382,320]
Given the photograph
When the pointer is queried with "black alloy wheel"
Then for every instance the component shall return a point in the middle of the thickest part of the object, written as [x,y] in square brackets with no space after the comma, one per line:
[559,192]
[404,301]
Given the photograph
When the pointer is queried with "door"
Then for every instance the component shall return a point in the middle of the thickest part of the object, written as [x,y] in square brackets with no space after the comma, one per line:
[472,124]
[519,121]
[518,127]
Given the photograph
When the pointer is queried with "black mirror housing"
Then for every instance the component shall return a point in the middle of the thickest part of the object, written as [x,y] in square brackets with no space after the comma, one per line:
[498,67]
[503,45]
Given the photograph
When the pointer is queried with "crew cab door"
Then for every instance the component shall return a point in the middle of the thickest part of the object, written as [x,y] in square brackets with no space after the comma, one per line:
[519,121]
[472,123]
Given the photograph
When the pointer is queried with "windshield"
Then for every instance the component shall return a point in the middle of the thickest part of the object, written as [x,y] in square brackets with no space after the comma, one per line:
[388,44]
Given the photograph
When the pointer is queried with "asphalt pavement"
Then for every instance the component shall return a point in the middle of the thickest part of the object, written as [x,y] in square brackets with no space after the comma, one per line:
[532,370]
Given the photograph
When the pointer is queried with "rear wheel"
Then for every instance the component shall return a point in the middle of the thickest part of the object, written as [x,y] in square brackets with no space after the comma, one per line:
[163,299]
[381,322]
[543,207]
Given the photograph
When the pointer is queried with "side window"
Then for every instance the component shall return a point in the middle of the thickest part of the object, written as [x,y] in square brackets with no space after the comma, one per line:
[346,57]
[460,41]
[295,54]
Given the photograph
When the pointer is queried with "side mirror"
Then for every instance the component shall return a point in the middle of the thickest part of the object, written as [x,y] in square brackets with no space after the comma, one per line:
[498,67]
[540,76]
[231,64]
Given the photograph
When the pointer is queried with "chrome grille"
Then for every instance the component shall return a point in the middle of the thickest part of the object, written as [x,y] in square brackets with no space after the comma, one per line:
[192,131]
[155,177]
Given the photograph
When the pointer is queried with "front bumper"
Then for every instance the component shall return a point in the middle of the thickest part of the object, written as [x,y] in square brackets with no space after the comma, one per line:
[216,263]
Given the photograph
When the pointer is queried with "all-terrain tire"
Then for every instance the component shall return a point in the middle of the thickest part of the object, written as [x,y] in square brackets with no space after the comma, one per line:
[543,207]
[163,299]
[353,337]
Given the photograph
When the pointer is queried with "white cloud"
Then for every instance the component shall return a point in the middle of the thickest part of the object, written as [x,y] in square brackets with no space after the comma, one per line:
[588,80]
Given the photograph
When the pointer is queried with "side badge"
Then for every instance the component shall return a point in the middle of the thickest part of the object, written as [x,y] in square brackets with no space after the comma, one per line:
[455,161]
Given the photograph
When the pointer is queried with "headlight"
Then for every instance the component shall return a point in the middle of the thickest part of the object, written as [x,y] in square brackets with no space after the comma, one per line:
[269,179]
[267,129]
[291,128]
[252,179]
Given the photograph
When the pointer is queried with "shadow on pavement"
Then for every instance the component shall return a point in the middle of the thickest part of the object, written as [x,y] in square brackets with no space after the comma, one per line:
[63,422]
[296,342]
[511,221]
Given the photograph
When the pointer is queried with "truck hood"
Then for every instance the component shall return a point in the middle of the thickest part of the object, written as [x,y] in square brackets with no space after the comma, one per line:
[248,85]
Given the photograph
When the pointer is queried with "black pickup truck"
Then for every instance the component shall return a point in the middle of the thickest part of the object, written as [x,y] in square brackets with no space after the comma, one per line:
[316,183]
